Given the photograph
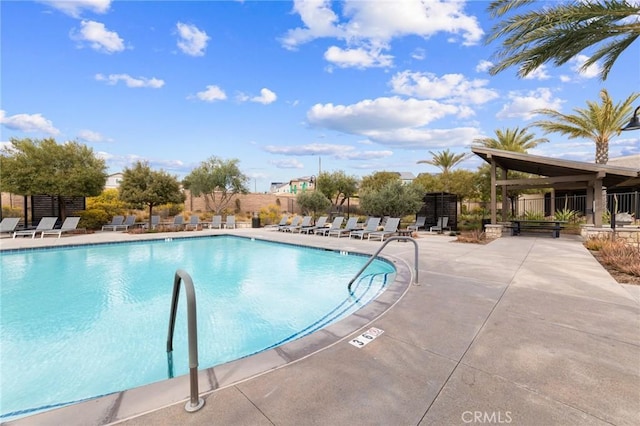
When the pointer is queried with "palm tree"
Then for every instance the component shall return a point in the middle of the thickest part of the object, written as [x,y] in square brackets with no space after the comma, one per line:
[516,140]
[444,160]
[598,122]
[562,31]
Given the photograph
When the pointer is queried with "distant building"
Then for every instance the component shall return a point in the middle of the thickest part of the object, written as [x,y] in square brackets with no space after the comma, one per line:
[406,177]
[294,186]
[113,181]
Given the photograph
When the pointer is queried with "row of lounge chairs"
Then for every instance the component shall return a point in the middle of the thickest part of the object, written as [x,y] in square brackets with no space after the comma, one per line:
[351,229]
[46,226]
[119,223]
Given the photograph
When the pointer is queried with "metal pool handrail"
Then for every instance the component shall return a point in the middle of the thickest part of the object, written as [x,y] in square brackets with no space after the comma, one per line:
[195,403]
[373,256]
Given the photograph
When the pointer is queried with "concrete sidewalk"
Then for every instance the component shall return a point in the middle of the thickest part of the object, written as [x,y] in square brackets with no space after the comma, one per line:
[524,330]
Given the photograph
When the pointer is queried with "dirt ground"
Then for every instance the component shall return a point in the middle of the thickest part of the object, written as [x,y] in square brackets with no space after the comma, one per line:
[620,277]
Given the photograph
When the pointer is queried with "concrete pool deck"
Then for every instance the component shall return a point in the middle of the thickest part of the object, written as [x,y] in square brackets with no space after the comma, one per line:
[524,330]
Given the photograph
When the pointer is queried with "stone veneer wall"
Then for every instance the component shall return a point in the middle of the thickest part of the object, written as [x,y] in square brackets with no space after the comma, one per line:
[628,234]
[493,231]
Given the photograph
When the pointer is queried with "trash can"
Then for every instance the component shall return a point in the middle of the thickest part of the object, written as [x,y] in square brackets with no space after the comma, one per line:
[255,222]
[485,222]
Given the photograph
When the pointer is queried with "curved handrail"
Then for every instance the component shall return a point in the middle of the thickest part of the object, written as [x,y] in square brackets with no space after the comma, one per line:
[384,244]
[195,403]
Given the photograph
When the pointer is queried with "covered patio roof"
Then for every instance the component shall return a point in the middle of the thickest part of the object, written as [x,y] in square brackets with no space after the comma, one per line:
[556,174]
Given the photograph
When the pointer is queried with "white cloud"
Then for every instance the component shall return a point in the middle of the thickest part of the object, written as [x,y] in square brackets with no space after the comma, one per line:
[91,136]
[212,94]
[539,73]
[287,163]
[589,72]
[449,87]
[367,28]
[484,66]
[113,79]
[357,58]
[29,123]
[98,37]
[522,105]
[192,41]
[424,138]
[341,152]
[266,97]
[74,8]
[419,54]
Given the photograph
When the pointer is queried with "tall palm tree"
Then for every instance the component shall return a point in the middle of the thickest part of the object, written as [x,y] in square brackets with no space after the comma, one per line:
[560,32]
[516,140]
[444,160]
[598,122]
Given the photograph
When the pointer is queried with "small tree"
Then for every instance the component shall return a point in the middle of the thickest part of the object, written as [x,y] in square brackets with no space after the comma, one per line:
[337,186]
[394,199]
[378,180]
[142,186]
[43,167]
[218,180]
[313,201]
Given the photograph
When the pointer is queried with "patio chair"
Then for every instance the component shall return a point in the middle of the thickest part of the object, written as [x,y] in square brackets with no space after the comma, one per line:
[283,222]
[9,225]
[352,225]
[320,223]
[155,221]
[115,221]
[45,224]
[335,225]
[294,222]
[70,224]
[128,222]
[419,223]
[371,226]
[441,225]
[178,222]
[231,222]
[216,222]
[306,222]
[390,228]
[194,222]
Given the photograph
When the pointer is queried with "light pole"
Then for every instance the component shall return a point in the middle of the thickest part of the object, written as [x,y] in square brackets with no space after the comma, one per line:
[634,123]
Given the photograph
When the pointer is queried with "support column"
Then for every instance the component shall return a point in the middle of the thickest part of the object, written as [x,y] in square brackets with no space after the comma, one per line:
[493,192]
[597,198]
[589,204]
[552,204]
[505,198]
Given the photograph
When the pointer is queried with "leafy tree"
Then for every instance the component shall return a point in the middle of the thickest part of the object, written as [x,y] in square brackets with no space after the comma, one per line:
[445,160]
[378,180]
[427,182]
[218,180]
[337,186]
[107,201]
[559,32]
[516,140]
[43,167]
[394,199]
[313,201]
[142,186]
[598,122]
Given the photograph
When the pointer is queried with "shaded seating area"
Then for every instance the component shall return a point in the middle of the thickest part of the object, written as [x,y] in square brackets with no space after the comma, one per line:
[70,224]
[45,224]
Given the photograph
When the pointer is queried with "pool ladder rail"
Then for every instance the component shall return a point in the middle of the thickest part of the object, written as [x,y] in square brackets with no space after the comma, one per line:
[195,402]
[384,244]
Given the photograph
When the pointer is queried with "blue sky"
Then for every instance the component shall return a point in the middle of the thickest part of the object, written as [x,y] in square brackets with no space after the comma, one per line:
[285,87]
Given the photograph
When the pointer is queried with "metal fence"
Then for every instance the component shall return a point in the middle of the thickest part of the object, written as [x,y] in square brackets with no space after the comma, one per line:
[627,202]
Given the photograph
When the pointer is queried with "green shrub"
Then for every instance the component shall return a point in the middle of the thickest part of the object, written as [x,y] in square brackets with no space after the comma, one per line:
[270,214]
[11,211]
[93,218]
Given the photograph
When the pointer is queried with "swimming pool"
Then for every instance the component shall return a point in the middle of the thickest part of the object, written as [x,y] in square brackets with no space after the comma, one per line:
[85,321]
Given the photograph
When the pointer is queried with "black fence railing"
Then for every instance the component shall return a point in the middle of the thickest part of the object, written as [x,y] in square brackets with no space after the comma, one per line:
[627,202]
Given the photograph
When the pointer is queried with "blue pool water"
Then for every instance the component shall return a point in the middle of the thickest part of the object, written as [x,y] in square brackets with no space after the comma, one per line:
[81,322]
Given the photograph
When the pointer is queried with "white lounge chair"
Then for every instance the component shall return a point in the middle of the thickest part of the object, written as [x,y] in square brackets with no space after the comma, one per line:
[336,225]
[441,225]
[390,228]
[117,220]
[178,222]
[70,224]
[352,225]
[419,223]
[283,221]
[216,222]
[45,224]
[371,226]
[9,225]
[306,222]
[320,223]
[294,222]
[194,222]
[231,222]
